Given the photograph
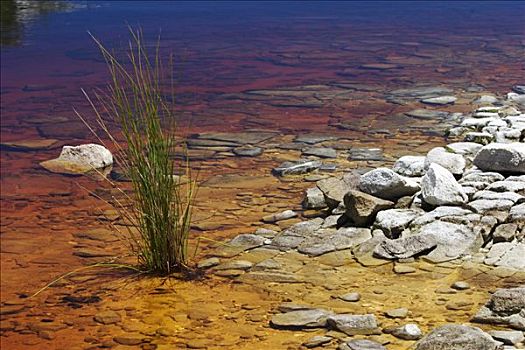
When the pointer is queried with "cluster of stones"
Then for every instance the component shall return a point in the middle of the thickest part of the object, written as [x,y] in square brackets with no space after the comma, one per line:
[463,201]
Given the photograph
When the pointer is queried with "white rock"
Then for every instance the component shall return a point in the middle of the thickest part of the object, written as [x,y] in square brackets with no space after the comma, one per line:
[440,100]
[439,187]
[455,163]
[385,183]
[393,221]
[89,155]
[410,166]
[502,157]
[464,148]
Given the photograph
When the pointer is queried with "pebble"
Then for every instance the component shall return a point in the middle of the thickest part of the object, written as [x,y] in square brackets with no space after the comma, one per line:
[397,313]
[351,297]
[404,269]
[460,285]
[107,317]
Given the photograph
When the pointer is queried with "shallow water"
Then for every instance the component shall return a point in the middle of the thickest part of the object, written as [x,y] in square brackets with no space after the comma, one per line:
[291,68]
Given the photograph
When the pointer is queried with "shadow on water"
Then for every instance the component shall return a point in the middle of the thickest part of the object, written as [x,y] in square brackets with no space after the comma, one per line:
[16,15]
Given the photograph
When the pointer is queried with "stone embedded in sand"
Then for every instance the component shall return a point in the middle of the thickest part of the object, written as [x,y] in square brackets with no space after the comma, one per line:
[362,208]
[107,317]
[507,157]
[312,318]
[409,331]
[354,324]
[386,184]
[454,337]
[361,344]
[439,187]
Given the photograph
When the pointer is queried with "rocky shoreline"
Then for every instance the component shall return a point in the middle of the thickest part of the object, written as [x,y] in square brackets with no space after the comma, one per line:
[461,204]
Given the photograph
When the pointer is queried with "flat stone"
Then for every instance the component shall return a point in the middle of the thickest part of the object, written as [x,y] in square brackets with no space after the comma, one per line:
[397,313]
[427,114]
[440,100]
[460,285]
[29,145]
[107,317]
[285,215]
[297,168]
[129,339]
[316,341]
[508,337]
[351,297]
[313,318]
[248,151]
[238,137]
[366,154]
[404,269]
[207,263]
[361,344]
[354,324]
[321,152]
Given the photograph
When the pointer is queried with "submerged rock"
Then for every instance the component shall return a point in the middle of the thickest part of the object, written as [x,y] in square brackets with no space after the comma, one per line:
[440,100]
[312,318]
[297,168]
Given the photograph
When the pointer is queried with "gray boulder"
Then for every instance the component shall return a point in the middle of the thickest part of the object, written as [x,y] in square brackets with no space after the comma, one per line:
[393,221]
[312,318]
[455,163]
[505,307]
[354,324]
[386,184]
[439,187]
[508,157]
[456,337]
[410,166]
[314,199]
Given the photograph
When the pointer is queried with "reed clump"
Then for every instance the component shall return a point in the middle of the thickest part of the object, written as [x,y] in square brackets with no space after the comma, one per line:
[159,206]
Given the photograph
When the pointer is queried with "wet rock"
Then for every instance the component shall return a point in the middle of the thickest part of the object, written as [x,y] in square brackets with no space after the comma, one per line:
[366,154]
[440,100]
[427,114]
[326,240]
[361,344]
[248,151]
[454,337]
[129,339]
[386,184]
[297,168]
[393,221]
[508,337]
[247,241]
[502,157]
[321,152]
[28,145]
[316,341]
[362,208]
[107,317]
[207,263]
[314,199]
[439,187]
[312,318]
[235,265]
[313,138]
[379,66]
[237,137]
[410,166]
[80,159]
[409,331]
[285,215]
[506,307]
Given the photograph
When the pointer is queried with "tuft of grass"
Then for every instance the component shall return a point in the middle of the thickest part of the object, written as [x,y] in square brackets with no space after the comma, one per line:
[160,206]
